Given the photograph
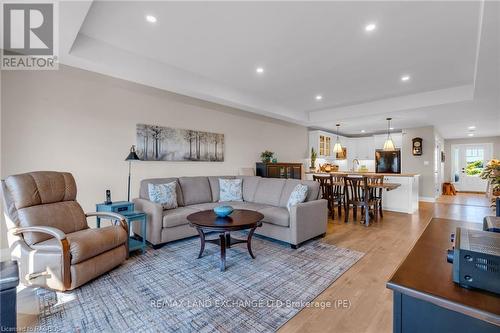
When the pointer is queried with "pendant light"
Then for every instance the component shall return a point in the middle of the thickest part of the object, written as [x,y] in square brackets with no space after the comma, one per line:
[338,147]
[389,144]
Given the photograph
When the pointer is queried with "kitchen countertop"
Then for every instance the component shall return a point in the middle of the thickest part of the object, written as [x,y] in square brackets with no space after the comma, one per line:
[364,173]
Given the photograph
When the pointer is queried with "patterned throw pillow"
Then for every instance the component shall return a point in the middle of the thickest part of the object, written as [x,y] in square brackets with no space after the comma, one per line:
[163,194]
[230,190]
[297,196]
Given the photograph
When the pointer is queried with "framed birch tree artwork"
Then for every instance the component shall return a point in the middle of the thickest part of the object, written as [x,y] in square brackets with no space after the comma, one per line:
[158,143]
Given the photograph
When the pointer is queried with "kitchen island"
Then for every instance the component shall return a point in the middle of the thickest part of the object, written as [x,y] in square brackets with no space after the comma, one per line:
[403,199]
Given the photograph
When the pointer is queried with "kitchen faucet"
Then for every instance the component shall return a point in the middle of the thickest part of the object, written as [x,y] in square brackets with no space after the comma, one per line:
[357,162]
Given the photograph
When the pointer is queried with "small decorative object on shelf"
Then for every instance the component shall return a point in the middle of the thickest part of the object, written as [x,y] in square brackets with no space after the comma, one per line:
[417,146]
[223,211]
[314,155]
[275,160]
[108,198]
[266,156]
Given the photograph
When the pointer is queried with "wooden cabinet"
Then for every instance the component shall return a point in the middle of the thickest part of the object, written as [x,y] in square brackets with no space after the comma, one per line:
[279,170]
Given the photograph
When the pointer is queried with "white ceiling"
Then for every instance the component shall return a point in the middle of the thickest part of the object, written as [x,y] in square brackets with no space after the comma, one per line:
[210,50]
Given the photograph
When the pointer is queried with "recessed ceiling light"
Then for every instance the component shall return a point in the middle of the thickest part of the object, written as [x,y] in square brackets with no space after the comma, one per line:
[470,134]
[405,78]
[370,27]
[362,131]
[150,18]
[319,97]
[259,70]
[391,128]
[471,127]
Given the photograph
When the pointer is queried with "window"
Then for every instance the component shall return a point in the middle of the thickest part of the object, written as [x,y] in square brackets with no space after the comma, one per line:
[474,159]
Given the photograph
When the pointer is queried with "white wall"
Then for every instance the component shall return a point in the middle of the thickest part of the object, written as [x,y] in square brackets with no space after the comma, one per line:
[424,164]
[495,140]
[82,122]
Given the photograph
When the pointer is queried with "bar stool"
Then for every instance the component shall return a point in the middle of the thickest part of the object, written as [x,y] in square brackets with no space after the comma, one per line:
[325,185]
[375,183]
[338,191]
[357,194]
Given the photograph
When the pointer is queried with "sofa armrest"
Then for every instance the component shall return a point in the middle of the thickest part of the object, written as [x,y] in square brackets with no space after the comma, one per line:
[111,215]
[154,213]
[114,216]
[61,237]
[54,232]
[308,220]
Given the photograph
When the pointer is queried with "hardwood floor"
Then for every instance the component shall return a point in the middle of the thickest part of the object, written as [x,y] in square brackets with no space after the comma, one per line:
[385,244]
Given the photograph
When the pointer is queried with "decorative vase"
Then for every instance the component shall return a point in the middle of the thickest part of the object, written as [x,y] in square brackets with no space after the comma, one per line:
[223,211]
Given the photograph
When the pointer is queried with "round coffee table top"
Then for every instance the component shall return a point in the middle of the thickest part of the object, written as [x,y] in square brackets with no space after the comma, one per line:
[239,219]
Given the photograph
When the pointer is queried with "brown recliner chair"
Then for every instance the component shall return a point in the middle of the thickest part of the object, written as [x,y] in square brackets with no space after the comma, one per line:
[49,236]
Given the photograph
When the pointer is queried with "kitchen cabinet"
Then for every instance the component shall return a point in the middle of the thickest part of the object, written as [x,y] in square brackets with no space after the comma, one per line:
[323,143]
[365,148]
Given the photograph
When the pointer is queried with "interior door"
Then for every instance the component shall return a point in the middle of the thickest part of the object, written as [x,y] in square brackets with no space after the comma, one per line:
[467,164]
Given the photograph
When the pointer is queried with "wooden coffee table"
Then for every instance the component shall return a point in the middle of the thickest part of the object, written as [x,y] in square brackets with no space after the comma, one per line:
[240,219]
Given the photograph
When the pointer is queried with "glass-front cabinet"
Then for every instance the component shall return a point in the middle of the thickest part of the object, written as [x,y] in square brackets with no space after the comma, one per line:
[323,143]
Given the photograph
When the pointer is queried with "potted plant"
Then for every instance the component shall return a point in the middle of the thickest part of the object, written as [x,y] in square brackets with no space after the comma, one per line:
[314,155]
[492,174]
[266,156]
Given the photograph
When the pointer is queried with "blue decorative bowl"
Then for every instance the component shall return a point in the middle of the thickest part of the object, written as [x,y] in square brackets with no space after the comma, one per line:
[223,211]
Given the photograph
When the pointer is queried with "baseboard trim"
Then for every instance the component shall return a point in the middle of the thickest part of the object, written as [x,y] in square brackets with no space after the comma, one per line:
[427,199]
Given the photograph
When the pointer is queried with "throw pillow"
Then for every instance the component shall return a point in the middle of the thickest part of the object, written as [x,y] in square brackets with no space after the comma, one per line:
[163,194]
[230,190]
[297,196]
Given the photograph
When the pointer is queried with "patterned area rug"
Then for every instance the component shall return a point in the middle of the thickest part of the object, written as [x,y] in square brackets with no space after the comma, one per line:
[169,290]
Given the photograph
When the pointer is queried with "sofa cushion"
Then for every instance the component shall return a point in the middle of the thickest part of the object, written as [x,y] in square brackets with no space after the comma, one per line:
[164,194]
[269,191]
[230,190]
[249,186]
[178,216]
[65,215]
[214,186]
[144,191]
[290,184]
[276,215]
[195,190]
[88,243]
[41,187]
[205,206]
[245,205]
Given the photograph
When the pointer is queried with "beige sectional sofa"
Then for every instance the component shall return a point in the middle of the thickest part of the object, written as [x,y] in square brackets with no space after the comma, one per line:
[268,196]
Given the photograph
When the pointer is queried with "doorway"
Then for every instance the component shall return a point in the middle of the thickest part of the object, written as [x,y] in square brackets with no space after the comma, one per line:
[468,161]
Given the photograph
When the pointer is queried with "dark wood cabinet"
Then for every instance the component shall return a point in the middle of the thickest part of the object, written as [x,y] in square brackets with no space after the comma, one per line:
[279,170]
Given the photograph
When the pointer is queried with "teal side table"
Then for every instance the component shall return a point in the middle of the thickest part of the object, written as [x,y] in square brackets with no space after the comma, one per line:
[126,209]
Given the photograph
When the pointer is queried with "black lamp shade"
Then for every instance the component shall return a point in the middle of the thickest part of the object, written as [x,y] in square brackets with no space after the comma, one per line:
[132,156]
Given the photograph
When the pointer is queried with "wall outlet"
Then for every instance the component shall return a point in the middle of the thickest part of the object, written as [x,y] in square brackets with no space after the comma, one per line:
[426,163]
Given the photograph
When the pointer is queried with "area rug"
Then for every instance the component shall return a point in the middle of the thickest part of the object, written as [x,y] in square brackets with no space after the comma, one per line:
[169,290]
